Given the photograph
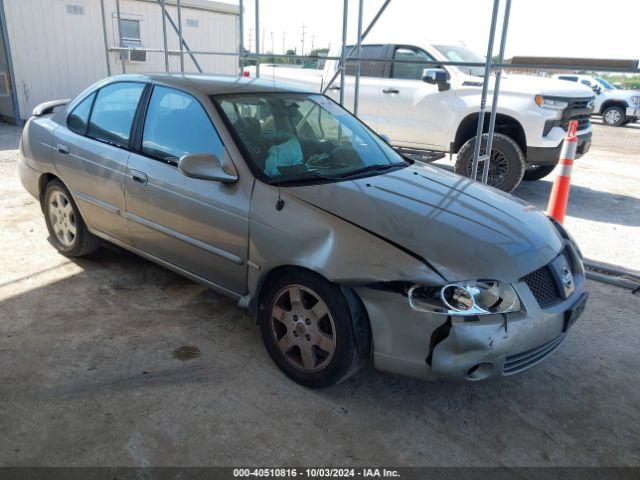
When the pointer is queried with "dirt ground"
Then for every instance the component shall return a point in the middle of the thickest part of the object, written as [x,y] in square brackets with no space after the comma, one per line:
[89,374]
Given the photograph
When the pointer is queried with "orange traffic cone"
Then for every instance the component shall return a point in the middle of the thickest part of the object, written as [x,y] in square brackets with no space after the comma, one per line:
[560,191]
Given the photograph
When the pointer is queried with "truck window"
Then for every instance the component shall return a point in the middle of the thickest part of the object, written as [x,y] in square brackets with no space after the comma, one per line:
[367,69]
[409,71]
[586,82]
[567,77]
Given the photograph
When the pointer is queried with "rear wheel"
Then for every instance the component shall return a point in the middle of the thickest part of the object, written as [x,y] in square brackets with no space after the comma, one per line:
[308,329]
[506,167]
[613,116]
[66,227]
[536,172]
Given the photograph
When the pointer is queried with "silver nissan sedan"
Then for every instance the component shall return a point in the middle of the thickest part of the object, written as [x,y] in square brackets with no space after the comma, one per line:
[281,199]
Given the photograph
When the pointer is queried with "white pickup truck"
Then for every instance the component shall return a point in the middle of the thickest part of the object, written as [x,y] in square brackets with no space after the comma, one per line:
[436,109]
[617,107]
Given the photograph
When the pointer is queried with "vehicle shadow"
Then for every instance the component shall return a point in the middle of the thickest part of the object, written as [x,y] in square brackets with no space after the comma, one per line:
[104,337]
[586,203]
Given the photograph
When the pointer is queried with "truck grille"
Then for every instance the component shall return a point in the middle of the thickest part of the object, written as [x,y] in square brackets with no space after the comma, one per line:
[522,361]
[578,109]
[543,287]
[583,122]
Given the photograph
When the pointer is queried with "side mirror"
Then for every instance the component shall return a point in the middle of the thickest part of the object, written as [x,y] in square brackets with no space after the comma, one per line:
[596,89]
[205,166]
[436,76]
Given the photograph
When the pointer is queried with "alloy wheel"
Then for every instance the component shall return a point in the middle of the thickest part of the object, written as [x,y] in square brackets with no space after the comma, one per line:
[612,116]
[62,218]
[498,169]
[303,328]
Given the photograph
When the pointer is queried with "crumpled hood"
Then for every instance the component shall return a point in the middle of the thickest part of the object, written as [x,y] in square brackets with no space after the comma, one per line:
[463,229]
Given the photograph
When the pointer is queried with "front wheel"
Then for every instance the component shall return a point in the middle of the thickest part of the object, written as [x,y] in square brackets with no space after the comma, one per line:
[536,172]
[613,116]
[506,166]
[308,329]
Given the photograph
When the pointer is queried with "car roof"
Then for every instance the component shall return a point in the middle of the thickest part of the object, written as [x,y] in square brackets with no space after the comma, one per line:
[212,84]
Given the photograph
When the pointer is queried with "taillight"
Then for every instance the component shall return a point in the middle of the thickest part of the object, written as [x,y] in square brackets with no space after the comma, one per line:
[245,73]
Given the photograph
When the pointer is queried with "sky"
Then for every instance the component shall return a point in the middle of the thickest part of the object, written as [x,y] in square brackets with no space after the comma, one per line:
[572,28]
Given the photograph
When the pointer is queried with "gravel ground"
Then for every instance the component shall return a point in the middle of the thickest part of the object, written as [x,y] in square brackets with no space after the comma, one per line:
[89,375]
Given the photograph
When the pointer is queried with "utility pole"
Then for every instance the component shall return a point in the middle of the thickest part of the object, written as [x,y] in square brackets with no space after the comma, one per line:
[284,35]
[313,40]
[250,42]
[304,32]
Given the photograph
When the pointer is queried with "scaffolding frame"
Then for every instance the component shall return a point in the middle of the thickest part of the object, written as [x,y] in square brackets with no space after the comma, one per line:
[353,56]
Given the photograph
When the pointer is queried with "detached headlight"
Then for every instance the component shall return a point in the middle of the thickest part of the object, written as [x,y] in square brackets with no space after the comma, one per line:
[635,100]
[548,102]
[482,297]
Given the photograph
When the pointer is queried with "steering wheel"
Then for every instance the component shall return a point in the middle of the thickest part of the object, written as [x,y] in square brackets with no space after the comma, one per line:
[327,159]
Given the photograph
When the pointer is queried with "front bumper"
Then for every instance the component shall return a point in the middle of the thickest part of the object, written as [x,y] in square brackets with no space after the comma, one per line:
[633,112]
[551,155]
[430,346]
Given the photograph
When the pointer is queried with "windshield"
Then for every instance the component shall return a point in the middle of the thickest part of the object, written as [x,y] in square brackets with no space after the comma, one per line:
[456,53]
[291,137]
[605,84]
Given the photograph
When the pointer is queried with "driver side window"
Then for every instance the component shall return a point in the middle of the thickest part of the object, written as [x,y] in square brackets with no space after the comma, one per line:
[409,71]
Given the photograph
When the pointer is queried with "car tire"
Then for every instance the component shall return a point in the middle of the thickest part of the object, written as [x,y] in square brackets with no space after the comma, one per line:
[536,172]
[308,327]
[613,116]
[68,231]
[507,165]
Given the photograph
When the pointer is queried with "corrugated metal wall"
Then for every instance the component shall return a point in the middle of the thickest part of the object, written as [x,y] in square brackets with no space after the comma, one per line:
[58,50]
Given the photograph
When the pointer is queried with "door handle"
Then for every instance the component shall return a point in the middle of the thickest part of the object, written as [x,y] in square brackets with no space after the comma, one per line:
[63,149]
[390,90]
[334,87]
[139,177]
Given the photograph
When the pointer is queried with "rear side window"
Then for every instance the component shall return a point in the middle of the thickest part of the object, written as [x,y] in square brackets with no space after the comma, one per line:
[113,112]
[571,79]
[79,117]
[367,69]
[409,71]
[177,125]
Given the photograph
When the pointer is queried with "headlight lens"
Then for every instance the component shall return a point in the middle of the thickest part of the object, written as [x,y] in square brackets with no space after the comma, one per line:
[481,297]
[547,102]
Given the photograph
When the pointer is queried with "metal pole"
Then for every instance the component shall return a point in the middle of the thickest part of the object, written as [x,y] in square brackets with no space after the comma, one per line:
[241,44]
[485,84]
[364,35]
[180,35]
[496,91]
[356,91]
[186,46]
[124,68]
[104,36]
[343,52]
[164,35]
[258,38]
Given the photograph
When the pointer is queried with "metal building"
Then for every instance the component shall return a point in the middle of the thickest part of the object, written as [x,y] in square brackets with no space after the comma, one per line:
[52,49]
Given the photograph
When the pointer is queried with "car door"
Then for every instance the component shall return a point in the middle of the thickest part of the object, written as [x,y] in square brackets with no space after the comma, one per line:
[414,113]
[91,153]
[370,77]
[200,226]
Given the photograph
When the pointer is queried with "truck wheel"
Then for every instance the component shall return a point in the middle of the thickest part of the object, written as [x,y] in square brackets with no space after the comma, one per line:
[506,167]
[536,172]
[613,116]
[66,227]
[308,329]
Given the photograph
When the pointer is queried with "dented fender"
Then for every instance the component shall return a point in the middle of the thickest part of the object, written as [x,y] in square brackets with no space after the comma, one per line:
[302,235]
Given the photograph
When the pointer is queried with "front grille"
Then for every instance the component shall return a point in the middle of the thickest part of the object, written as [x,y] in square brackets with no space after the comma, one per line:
[583,122]
[579,103]
[543,286]
[523,361]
